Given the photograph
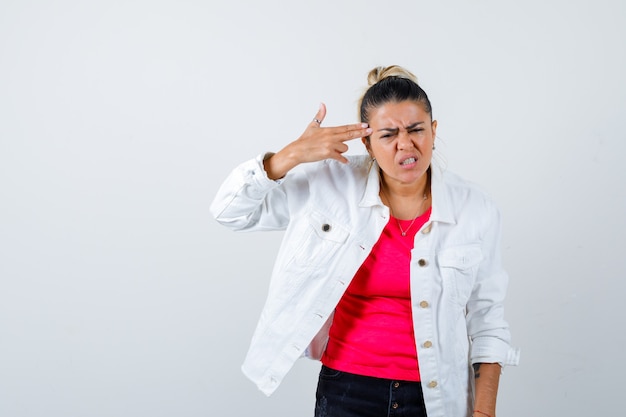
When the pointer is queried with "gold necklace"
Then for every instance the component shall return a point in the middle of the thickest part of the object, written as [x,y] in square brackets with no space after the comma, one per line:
[404,232]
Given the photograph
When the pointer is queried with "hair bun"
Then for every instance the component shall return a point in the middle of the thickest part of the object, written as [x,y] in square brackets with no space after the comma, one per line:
[380,73]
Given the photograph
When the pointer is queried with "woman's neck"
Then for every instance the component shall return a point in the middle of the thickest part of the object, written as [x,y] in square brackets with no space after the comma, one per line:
[406,201]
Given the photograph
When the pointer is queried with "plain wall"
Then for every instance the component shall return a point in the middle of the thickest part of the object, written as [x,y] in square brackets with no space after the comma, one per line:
[121,296]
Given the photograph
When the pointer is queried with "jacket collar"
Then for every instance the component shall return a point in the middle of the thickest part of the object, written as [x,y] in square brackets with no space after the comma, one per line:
[371,196]
[441,198]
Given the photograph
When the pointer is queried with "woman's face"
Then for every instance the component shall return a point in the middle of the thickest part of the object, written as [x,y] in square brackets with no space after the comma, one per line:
[402,141]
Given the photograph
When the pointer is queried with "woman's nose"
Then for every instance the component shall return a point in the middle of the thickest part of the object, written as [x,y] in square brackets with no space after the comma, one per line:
[404,141]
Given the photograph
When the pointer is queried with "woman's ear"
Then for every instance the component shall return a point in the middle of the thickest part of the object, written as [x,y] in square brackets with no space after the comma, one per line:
[366,142]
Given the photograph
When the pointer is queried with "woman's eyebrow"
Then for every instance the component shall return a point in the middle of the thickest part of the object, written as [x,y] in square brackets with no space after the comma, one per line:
[395,129]
[414,125]
[389,129]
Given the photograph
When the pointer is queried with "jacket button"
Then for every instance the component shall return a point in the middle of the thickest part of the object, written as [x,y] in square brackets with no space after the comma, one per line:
[326,227]
[427,229]
[422,262]
[424,304]
[432,384]
[394,405]
[428,344]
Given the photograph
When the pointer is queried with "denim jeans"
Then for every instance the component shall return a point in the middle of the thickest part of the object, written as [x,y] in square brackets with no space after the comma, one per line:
[342,394]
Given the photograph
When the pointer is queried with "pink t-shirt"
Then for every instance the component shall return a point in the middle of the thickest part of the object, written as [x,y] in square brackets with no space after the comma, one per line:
[372,331]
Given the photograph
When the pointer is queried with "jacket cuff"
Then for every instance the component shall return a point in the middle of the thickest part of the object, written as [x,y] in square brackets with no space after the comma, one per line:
[492,350]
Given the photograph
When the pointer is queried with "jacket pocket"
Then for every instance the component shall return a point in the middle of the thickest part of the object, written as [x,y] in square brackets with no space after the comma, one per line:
[320,241]
[458,266]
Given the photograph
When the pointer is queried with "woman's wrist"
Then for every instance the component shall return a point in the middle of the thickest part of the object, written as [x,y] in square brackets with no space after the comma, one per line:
[275,165]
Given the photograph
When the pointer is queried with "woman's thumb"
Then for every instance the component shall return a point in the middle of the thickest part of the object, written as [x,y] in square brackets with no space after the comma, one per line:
[321,113]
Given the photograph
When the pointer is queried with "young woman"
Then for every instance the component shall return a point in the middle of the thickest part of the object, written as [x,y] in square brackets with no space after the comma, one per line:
[389,271]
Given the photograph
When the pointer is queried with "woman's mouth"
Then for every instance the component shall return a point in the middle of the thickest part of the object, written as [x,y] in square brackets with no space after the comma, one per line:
[408,161]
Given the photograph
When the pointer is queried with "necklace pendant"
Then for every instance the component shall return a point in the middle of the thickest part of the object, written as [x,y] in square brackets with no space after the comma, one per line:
[403,233]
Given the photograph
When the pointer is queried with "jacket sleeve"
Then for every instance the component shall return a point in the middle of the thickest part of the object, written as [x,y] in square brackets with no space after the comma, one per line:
[249,200]
[488,331]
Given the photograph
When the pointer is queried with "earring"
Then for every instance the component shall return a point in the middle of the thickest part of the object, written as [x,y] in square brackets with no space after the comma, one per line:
[433,146]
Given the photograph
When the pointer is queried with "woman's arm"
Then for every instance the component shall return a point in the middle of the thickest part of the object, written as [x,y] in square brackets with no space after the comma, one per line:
[488,330]
[249,199]
[486,378]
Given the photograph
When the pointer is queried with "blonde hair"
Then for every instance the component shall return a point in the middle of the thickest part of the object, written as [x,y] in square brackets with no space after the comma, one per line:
[380,73]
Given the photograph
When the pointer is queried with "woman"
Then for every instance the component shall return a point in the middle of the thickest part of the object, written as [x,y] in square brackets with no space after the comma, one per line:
[389,271]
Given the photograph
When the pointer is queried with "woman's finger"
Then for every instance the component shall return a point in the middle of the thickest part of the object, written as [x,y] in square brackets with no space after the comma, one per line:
[320,115]
[349,132]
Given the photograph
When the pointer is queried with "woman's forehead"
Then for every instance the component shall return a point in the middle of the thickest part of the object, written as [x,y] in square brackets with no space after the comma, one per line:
[404,113]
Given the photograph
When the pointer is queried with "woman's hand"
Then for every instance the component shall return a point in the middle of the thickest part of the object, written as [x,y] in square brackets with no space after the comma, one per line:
[315,144]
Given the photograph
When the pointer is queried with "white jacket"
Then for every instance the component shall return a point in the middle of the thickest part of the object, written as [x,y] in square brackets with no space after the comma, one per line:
[332,216]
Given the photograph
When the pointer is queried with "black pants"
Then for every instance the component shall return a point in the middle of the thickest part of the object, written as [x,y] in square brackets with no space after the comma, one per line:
[342,394]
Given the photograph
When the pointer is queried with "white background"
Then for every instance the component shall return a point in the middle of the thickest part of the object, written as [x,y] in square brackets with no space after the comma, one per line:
[121,296]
